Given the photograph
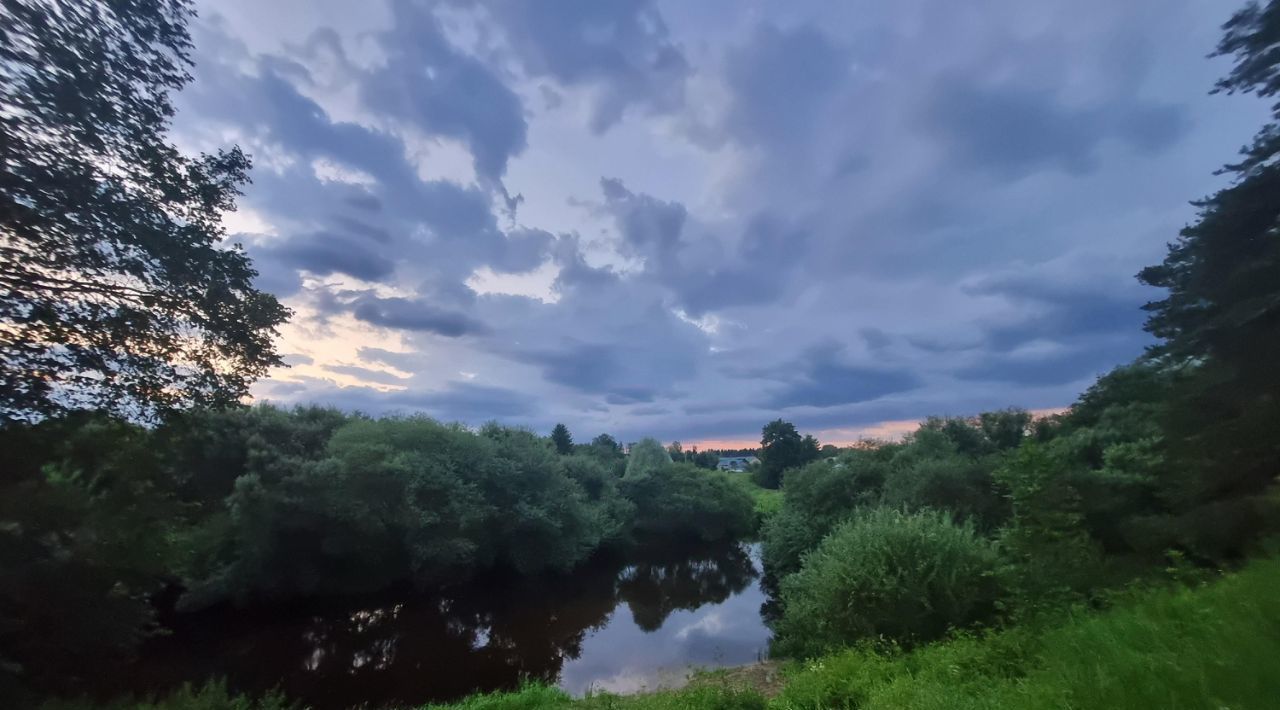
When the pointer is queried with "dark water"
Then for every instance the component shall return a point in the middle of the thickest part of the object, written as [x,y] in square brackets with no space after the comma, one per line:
[618,626]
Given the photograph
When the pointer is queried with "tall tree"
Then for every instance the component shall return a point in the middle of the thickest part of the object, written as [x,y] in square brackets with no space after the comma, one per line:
[781,448]
[117,292]
[1222,311]
[562,439]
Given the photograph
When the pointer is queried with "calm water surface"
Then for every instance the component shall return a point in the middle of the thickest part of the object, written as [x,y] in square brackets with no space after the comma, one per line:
[620,626]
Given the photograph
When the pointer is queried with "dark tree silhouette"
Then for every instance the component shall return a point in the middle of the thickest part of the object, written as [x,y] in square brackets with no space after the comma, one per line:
[116,291]
[1222,312]
[563,440]
[781,448]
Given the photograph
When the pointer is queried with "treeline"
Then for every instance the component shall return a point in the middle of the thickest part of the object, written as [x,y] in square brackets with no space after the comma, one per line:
[260,503]
[608,447]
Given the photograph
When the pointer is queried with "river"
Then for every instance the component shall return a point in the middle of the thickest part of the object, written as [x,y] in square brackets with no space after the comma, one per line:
[620,625]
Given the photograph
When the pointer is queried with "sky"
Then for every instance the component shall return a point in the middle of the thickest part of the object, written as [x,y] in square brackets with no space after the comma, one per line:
[685,219]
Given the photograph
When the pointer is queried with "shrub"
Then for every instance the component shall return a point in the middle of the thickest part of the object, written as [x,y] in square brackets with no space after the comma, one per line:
[816,498]
[646,457]
[905,576]
[684,500]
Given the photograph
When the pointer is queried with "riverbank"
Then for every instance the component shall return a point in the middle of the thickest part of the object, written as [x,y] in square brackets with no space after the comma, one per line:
[1211,646]
[1214,646]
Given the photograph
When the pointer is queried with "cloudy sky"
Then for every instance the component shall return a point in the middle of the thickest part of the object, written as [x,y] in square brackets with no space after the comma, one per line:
[683,219]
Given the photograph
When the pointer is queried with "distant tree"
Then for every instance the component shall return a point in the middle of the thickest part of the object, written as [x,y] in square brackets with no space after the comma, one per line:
[562,439]
[1222,311]
[676,451]
[604,442]
[829,450]
[781,448]
[646,457]
[117,292]
[1005,429]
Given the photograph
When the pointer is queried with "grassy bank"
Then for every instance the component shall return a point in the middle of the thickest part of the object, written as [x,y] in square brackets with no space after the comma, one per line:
[1216,646]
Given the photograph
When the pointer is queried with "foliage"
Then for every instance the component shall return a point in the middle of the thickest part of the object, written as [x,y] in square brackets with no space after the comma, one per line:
[904,576]
[117,293]
[409,497]
[945,469]
[85,517]
[683,500]
[646,457]
[1189,648]
[1221,317]
[781,448]
[562,439]
[816,498]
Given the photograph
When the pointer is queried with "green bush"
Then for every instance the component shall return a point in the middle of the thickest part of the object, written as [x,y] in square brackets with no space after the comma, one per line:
[906,576]
[816,498]
[1206,648]
[684,500]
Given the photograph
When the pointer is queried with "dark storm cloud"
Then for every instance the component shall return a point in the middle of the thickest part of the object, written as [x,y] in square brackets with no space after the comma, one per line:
[704,279]
[464,401]
[1081,319]
[459,401]
[324,253]
[1012,131]
[426,82]
[619,49]
[356,226]
[587,367]
[416,315]
[822,378]
[780,78]
[1081,360]
[1080,299]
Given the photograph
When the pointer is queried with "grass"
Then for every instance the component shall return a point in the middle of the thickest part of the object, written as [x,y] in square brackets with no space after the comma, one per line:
[767,501]
[1215,647]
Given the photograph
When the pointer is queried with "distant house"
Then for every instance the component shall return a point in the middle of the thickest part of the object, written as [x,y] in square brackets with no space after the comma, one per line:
[736,463]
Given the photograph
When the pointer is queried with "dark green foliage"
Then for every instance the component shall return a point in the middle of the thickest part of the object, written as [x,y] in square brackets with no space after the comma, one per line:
[85,523]
[607,451]
[408,497]
[816,499]
[682,500]
[612,514]
[1222,317]
[562,439]
[903,576]
[116,293]
[646,457]
[781,448]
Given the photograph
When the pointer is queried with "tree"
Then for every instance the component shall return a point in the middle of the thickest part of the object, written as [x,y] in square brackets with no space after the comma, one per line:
[1222,311]
[607,443]
[562,439]
[676,451]
[116,293]
[781,448]
[646,457]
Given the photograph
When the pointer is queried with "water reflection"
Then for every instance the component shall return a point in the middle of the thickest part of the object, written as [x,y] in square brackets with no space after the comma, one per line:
[617,626]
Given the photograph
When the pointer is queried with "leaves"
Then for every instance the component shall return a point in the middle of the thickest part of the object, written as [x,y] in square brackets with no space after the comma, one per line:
[117,292]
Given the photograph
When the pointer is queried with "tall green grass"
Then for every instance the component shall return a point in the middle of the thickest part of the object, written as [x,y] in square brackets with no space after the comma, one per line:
[1213,647]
